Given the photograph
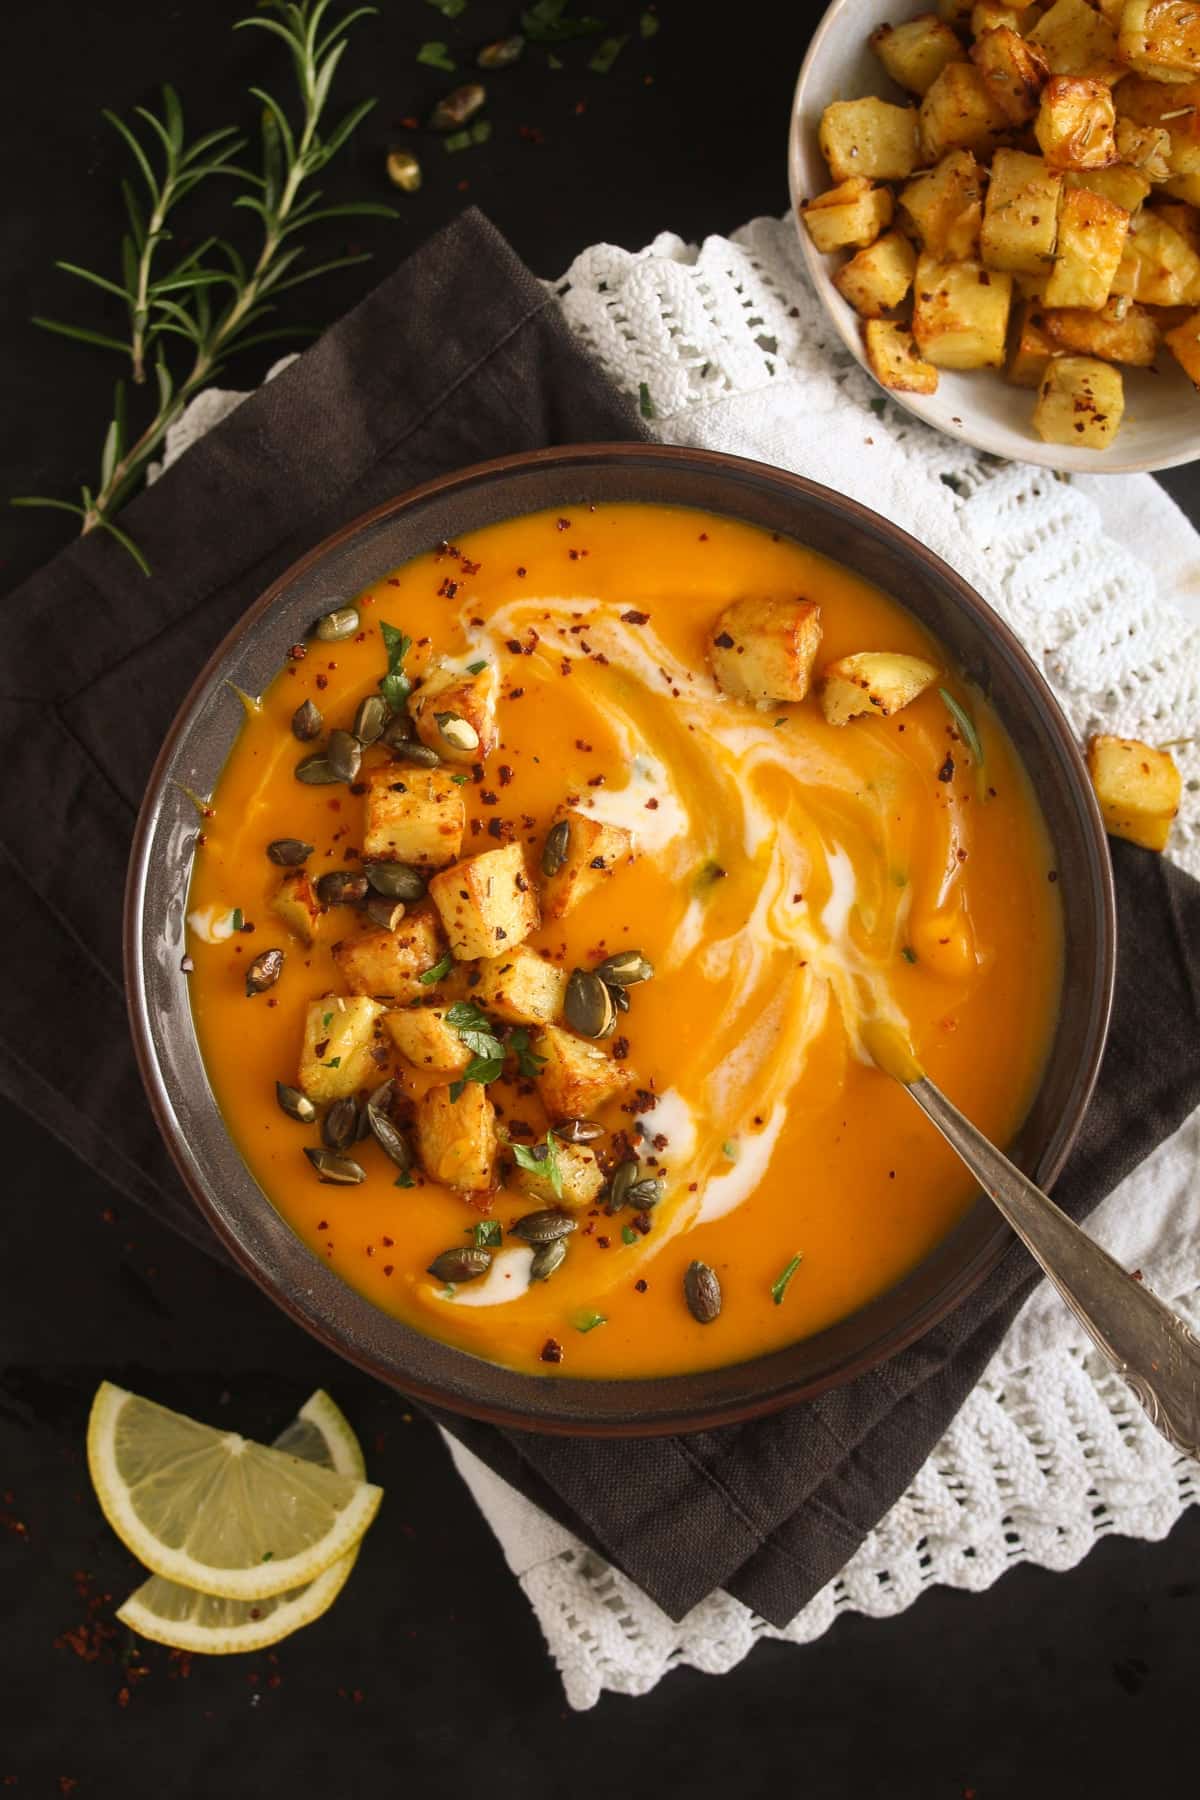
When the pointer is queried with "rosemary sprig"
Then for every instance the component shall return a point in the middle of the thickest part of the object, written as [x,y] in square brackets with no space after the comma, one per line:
[213,297]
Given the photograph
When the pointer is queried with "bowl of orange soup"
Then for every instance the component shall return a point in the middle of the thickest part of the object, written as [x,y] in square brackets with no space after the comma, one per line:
[509,902]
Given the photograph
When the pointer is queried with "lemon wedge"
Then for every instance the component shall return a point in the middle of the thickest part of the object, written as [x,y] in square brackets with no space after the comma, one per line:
[213,1511]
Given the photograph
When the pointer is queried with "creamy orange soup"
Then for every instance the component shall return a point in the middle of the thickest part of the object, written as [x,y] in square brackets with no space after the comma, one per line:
[788,880]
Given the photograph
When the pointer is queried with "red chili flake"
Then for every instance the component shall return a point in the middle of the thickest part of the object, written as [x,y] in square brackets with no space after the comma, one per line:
[563,524]
[661,1140]
[529,134]
[1053,875]
[946,772]
[723,641]
[635,618]
[514,644]
[797,899]
[298,652]
[620,1049]
[692,1186]
[551,1351]
[640,1286]
[596,781]
[489,798]
[123,1696]
[961,855]
[652,805]
[322,681]
[521,573]
[1135,1275]
[603,1243]
[67,1784]
[505,773]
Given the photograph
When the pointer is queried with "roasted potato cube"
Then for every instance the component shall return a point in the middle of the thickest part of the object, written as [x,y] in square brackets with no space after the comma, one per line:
[1161,38]
[1159,266]
[1138,788]
[1032,348]
[1020,219]
[1080,401]
[998,15]
[577,1077]
[851,214]
[763,649]
[1076,123]
[1182,187]
[1183,341]
[960,314]
[1014,71]
[959,113]
[337,1057]
[594,852]
[869,137]
[894,360]
[447,693]
[945,205]
[1183,219]
[1075,40]
[486,902]
[1175,110]
[580,1174]
[879,277]
[521,987]
[391,962]
[297,905]
[955,12]
[1144,148]
[1123,186]
[421,1034]
[1091,238]
[413,815]
[1120,332]
[915,53]
[456,1139]
[878,682]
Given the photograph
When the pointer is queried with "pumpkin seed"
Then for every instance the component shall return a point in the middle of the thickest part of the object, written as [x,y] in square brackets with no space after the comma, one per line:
[296,1105]
[403,170]
[543,1227]
[315,770]
[397,880]
[343,753]
[398,730]
[547,1258]
[554,851]
[369,720]
[702,1291]
[465,1264]
[341,887]
[334,1169]
[383,912]
[458,732]
[306,722]
[623,1178]
[341,623]
[455,108]
[339,1127]
[391,1141]
[645,1193]
[577,1131]
[381,1097]
[626,968]
[289,853]
[588,1006]
[423,755]
[502,54]
[620,996]
[263,972]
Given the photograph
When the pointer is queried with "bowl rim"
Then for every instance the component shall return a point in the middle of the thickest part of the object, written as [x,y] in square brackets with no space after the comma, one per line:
[774,1396]
[982,437]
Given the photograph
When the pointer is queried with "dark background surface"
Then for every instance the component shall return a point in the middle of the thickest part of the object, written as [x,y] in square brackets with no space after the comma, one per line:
[429,1673]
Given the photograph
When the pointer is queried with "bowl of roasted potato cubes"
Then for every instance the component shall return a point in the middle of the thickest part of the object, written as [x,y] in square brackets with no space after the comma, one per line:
[999,206]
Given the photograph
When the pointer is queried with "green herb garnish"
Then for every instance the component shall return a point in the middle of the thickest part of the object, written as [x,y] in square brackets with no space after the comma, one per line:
[436,56]
[588,1320]
[476,668]
[335,1062]
[648,25]
[707,876]
[395,685]
[607,54]
[546,1164]
[780,722]
[628,1235]
[487,1234]
[878,406]
[730,1149]
[528,1060]
[326,1020]
[236,918]
[460,780]
[547,22]
[475,1029]
[448,1292]
[449,9]
[457,140]
[779,1286]
[645,403]
[404,1180]
[267,1555]
[908,953]
[438,972]
[966,727]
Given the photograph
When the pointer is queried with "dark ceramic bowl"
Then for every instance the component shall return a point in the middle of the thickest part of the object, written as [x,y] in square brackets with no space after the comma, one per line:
[204,733]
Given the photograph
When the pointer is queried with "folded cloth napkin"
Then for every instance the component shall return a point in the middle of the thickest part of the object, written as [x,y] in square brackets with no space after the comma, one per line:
[422,378]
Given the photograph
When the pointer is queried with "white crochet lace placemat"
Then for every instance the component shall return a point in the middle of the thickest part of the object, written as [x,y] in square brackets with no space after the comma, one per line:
[726,346]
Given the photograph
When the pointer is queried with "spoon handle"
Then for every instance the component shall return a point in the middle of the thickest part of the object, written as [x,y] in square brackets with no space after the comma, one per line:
[1148,1344]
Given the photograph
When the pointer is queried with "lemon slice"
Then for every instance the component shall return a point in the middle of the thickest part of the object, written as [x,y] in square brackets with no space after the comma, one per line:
[184,1619]
[210,1509]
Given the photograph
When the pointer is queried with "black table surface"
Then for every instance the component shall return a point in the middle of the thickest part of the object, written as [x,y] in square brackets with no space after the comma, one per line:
[429,1673]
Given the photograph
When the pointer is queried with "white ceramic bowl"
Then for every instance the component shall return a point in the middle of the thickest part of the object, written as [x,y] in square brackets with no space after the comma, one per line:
[1161,427]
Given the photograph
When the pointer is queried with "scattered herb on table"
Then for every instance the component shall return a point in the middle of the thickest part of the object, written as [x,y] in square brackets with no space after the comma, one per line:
[648,25]
[645,403]
[549,22]
[449,9]
[779,1286]
[435,55]
[607,54]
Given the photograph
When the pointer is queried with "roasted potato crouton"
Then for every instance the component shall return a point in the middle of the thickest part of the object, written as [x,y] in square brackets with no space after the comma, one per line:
[879,277]
[486,902]
[1075,40]
[1080,401]
[580,1173]
[960,314]
[390,962]
[959,113]
[1122,185]
[1032,348]
[456,1139]
[413,816]
[894,359]
[445,693]
[849,215]
[1119,332]
[945,205]
[577,1077]
[337,1056]
[1183,341]
[421,1034]
[1166,108]
[594,851]
[1091,239]
[1020,220]
[869,137]
[1138,788]
[1161,38]
[1076,123]
[297,905]
[1158,266]
[1014,71]
[763,649]
[915,52]
[521,987]
[872,681]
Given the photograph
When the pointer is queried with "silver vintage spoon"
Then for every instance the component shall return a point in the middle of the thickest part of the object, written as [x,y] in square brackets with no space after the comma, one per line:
[1148,1344]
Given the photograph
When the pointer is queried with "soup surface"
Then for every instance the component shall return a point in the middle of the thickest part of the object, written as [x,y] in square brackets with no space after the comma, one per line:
[787,879]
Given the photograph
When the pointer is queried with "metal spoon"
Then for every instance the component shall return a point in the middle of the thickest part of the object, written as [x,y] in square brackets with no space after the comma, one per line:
[1148,1345]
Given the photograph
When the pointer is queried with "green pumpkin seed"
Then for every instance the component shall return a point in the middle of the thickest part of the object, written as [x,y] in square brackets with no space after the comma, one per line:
[547,1258]
[623,1178]
[385,913]
[341,887]
[645,1193]
[577,1131]
[458,732]
[334,1169]
[332,627]
[455,108]
[543,1227]
[339,1127]
[502,54]
[626,968]
[620,996]
[397,880]
[372,715]
[263,972]
[289,853]
[306,722]
[423,755]
[558,843]
[588,1006]
[398,730]
[702,1291]
[343,753]
[403,170]
[460,1265]
[315,770]
[296,1105]
[391,1141]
